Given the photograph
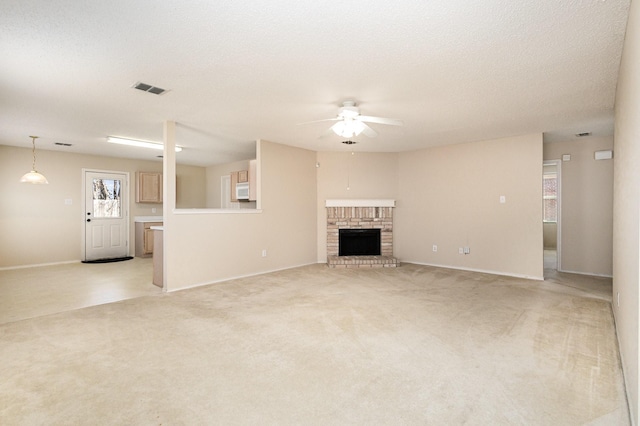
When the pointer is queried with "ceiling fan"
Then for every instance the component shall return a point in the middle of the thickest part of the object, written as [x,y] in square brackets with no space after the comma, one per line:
[350,123]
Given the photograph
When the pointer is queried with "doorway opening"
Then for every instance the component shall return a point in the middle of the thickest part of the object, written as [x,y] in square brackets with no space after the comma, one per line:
[552,214]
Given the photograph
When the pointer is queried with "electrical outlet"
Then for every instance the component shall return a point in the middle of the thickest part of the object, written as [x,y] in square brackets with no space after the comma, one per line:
[435,247]
[467,250]
[264,252]
[460,250]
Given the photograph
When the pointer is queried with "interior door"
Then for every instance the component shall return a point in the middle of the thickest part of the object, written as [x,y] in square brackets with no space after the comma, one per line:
[106,217]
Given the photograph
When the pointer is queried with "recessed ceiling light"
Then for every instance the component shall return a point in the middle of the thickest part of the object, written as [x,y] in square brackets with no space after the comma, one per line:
[138,143]
[148,88]
[583,134]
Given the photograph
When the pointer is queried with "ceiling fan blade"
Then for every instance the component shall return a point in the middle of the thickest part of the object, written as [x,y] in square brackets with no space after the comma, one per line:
[319,121]
[380,120]
[368,131]
[326,133]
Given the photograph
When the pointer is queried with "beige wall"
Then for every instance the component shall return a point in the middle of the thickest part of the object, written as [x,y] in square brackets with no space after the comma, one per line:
[214,173]
[626,208]
[550,235]
[449,196]
[36,225]
[191,183]
[587,205]
[367,175]
[213,246]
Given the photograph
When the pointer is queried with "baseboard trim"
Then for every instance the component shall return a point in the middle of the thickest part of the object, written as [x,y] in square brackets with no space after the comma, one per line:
[483,271]
[564,271]
[37,265]
[237,277]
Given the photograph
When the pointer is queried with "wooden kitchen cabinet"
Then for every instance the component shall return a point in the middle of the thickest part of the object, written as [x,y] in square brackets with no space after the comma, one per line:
[149,187]
[244,176]
[144,238]
[241,176]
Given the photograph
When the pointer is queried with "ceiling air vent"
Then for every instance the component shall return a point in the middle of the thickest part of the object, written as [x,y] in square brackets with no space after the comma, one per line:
[583,134]
[349,142]
[62,144]
[148,88]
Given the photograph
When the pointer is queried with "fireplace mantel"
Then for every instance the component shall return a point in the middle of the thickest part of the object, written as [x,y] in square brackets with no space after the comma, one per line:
[360,203]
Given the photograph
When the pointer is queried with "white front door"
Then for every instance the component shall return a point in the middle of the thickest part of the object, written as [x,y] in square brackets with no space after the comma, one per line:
[106,216]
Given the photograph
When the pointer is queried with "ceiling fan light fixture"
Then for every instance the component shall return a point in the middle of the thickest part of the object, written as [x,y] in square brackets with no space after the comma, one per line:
[33,176]
[348,128]
[138,143]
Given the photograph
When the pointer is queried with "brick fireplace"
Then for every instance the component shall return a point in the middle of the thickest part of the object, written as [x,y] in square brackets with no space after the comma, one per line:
[360,214]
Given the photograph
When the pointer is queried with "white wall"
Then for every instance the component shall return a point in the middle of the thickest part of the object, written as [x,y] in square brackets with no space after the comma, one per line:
[626,208]
[449,196]
[587,205]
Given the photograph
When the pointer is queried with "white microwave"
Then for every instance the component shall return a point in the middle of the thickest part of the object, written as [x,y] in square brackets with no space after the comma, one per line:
[242,191]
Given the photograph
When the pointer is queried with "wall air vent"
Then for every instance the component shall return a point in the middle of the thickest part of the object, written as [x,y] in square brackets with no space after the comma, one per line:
[583,134]
[349,142]
[148,88]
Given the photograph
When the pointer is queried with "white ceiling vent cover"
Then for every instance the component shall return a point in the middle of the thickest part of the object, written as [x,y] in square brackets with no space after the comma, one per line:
[148,88]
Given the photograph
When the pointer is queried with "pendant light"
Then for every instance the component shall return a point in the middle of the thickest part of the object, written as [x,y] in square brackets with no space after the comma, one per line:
[33,176]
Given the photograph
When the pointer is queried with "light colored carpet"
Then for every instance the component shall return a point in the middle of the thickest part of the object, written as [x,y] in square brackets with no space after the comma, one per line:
[311,345]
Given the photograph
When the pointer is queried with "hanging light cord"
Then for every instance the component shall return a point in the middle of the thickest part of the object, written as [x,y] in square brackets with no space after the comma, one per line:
[33,150]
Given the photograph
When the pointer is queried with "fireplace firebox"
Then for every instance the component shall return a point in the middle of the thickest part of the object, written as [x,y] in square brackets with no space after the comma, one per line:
[359,242]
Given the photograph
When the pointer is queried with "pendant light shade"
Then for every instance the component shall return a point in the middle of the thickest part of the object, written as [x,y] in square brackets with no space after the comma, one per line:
[33,176]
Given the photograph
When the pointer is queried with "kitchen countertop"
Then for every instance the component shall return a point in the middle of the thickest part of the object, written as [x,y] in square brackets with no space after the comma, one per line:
[148,219]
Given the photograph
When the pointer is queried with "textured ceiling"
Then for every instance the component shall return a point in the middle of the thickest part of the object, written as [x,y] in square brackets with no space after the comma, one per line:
[452,70]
